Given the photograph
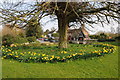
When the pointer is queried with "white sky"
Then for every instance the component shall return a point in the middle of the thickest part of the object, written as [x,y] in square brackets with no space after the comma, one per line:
[49,25]
[0,27]
[16,0]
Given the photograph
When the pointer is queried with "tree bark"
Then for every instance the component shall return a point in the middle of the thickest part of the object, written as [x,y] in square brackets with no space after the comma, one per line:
[63,28]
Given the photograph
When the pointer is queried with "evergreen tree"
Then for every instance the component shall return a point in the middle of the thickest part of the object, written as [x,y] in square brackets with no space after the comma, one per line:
[34,28]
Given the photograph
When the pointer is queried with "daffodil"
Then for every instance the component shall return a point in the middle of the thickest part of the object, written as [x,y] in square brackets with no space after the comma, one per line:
[16,56]
[43,54]
[3,46]
[105,51]
[99,53]
[9,50]
[68,57]
[52,56]
[58,57]
[22,54]
[45,57]
[34,53]
[80,53]
[11,54]
[64,52]
[4,56]
[73,54]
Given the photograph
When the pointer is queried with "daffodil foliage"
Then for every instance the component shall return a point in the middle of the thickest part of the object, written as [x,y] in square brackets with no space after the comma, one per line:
[54,55]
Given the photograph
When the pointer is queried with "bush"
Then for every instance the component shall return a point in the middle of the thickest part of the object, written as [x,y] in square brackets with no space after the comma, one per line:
[55,34]
[22,35]
[117,38]
[7,40]
[103,36]
[31,39]
[100,36]
[19,39]
[94,36]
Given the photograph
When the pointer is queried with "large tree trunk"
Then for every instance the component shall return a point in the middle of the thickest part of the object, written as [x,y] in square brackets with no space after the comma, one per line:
[63,28]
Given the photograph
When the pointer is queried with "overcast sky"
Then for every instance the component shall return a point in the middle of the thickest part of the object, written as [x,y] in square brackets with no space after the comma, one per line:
[49,25]
[16,0]
[97,27]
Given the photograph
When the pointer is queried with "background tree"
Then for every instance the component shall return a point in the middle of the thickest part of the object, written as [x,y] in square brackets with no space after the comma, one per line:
[53,29]
[55,34]
[34,28]
[46,32]
[82,12]
[67,12]
[112,30]
[94,36]
[118,30]
[103,36]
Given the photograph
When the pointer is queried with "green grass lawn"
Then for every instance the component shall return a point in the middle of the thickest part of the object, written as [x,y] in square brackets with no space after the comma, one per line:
[97,67]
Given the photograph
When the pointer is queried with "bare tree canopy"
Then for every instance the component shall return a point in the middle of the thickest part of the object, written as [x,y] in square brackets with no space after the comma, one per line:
[66,12]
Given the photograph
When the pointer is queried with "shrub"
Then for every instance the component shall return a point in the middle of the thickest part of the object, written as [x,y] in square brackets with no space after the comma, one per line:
[106,40]
[117,38]
[55,34]
[103,36]
[94,36]
[22,35]
[34,29]
[7,40]
[100,36]
[31,39]
[19,39]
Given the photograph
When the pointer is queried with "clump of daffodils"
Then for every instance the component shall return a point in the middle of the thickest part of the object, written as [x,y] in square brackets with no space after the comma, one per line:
[42,57]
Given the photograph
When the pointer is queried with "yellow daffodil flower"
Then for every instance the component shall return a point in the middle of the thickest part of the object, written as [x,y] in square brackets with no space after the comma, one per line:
[43,54]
